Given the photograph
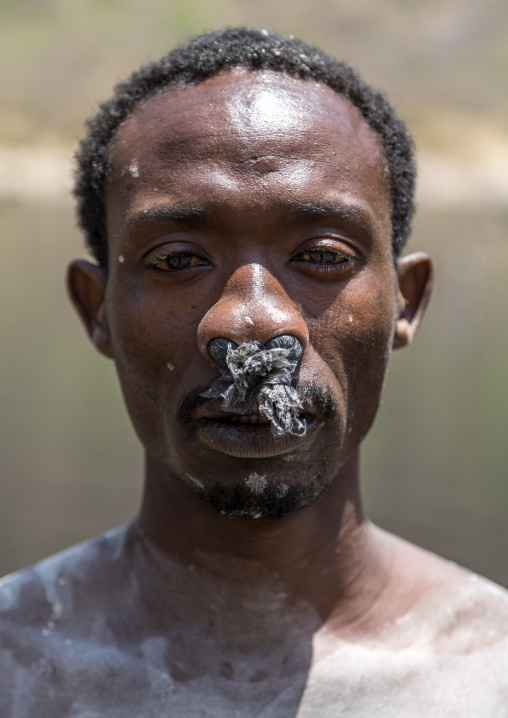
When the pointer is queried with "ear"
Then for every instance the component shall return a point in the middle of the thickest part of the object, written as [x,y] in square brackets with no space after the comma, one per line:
[86,283]
[415,286]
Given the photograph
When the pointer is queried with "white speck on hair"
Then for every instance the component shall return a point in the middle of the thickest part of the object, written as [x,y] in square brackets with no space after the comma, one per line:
[170,366]
[265,32]
[134,170]
[350,318]
[282,490]
[121,259]
[249,321]
[197,482]
[256,484]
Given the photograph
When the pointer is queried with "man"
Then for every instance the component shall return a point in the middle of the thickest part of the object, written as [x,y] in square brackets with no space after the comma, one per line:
[246,200]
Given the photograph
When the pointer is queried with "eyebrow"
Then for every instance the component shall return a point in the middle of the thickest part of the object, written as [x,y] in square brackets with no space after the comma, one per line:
[328,210]
[289,211]
[188,216]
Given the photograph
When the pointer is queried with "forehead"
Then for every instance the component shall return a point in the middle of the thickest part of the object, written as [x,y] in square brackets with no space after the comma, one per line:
[284,134]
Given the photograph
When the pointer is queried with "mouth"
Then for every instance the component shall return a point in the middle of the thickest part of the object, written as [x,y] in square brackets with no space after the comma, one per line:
[249,435]
[250,419]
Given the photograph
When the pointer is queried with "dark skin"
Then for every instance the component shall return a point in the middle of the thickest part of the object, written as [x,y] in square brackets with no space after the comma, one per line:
[250,206]
[250,276]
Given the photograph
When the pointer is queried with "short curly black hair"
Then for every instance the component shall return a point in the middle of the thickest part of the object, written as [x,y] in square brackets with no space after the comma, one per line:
[254,50]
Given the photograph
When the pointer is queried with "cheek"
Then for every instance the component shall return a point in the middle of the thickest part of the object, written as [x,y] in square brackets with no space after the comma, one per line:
[155,354]
[354,338]
[151,335]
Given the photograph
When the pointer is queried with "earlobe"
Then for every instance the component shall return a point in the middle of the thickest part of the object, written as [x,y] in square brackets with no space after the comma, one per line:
[415,286]
[86,283]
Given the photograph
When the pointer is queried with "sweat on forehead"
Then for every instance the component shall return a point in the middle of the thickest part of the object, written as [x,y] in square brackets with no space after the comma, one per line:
[250,115]
[253,50]
[240,146]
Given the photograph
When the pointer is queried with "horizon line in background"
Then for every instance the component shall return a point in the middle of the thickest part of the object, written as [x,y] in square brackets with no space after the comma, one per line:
[478,178]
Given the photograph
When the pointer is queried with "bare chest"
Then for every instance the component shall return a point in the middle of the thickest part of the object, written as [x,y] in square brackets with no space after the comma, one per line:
[63,679]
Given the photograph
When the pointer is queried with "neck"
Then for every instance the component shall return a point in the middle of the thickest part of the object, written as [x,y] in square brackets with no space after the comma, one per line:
[326,556]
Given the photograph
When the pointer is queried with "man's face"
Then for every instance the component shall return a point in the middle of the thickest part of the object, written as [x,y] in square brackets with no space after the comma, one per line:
[250,206]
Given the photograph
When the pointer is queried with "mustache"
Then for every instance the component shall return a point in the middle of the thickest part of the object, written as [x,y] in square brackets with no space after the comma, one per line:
[309,392]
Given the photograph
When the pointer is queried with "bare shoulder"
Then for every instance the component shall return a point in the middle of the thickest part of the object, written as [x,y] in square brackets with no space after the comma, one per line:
[56,590]
[441,648]
[455,608]
[58,636]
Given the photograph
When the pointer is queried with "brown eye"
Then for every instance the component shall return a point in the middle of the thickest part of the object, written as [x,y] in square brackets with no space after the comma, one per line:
[181,261]
[175,261]
[323,256]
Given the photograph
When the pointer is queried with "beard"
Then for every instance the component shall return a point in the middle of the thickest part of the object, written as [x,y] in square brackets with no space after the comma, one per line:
[275,501]
[258,496]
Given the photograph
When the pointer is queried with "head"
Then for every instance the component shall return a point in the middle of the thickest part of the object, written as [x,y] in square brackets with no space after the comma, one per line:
[255,51]
[248,186]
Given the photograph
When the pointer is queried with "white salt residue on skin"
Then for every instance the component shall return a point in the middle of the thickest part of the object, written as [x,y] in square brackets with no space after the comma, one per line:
[403,619]
[249,321]
[134,170]
[276,315]
[468,685]
[350,318]
[50,590]
[154,650]
[170,366]
[9,593]
[195,481]
[256,484]
[121,259]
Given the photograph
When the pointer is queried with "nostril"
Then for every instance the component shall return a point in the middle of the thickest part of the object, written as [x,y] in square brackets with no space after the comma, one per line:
[219,346]
[260,378]
[289,342]
[218,349]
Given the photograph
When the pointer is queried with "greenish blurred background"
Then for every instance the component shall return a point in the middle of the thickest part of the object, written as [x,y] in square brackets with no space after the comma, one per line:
[436,463]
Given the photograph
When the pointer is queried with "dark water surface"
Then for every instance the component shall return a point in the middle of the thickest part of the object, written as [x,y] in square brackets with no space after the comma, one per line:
[435,466]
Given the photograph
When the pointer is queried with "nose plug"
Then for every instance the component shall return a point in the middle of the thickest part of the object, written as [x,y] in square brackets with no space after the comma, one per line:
[257,378]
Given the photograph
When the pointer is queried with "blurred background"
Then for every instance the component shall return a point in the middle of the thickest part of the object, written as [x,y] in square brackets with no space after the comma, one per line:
[436,464]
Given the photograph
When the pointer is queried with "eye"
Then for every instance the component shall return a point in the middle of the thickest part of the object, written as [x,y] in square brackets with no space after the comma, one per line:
[325,260]
[323,257]
[176,261]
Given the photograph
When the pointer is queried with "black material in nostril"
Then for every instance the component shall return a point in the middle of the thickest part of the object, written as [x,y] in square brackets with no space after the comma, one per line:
[289,342]
[218,349]
[259,378]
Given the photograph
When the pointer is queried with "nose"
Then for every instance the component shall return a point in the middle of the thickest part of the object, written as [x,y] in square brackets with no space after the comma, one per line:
[253,306]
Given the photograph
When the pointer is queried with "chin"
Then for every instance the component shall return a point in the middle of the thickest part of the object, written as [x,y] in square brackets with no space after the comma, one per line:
[258,498]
